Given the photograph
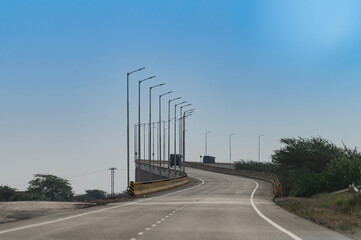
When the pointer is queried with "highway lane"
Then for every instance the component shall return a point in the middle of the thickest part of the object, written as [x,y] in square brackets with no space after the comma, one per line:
[214,206]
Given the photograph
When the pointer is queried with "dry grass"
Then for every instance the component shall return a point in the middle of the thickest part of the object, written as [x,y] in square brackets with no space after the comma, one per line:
[341,212]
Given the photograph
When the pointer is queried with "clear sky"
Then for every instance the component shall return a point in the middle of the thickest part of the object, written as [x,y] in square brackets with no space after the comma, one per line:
[278,68]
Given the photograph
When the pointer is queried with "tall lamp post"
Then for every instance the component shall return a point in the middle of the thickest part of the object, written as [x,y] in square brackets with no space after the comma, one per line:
[169,101]
[135,142]
[150,129]
[206,143]
[160,129]
[259,147]
[144,124]
[185,114]
[175,133]
[153,134]
[164,138]
[139,125]
[128,74]
[230,147]
[180,127]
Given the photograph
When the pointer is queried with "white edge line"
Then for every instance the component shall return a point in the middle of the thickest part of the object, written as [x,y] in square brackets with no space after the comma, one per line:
[96,211]
[267,219]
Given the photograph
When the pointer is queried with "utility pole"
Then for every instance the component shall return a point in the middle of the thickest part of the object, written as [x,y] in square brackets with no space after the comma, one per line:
[112,180]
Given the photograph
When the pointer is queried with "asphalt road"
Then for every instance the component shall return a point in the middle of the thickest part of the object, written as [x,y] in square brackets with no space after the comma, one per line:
[212,206]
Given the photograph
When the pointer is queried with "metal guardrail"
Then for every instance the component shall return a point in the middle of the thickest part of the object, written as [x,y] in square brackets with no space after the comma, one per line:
[277,188]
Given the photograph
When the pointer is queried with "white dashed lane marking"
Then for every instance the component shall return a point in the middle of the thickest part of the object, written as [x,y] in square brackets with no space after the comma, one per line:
[170,214]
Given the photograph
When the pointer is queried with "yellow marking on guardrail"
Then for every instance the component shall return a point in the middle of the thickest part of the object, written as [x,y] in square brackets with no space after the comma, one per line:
[131,189]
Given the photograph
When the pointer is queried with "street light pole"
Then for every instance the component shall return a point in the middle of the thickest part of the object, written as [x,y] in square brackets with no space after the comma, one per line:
[169,101]
[175,134]
[144,140]
[135,142]
[180,128]
[150,130]
[259,147]
[160,129]
[128,74]
[206,143]
[230,147]
[185,114]
[164,138]
[139,125]
[153,154]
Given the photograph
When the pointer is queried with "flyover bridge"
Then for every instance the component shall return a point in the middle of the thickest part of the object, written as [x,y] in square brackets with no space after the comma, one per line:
[212,206]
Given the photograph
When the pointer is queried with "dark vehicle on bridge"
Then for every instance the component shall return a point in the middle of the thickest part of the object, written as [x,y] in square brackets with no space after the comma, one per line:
[177,158]
[209,159]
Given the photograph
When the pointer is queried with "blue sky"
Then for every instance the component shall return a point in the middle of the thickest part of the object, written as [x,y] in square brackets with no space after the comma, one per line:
[278,68]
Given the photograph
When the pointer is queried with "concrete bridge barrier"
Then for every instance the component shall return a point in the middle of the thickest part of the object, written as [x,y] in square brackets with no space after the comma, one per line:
[277,188]
[162,178]
[145,188]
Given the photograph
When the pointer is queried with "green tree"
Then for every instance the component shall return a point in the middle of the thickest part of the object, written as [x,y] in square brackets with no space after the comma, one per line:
[303,155]
[7,193]
[50,187]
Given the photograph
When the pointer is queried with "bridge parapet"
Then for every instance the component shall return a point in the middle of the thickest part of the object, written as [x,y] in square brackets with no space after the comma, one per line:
[157,173]
[277,188]
[154,178]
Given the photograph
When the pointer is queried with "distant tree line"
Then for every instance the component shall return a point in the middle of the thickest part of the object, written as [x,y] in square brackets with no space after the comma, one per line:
[307,166]
[46,187]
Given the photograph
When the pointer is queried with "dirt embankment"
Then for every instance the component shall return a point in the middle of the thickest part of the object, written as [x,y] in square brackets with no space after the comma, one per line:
[15,211]
[340,212]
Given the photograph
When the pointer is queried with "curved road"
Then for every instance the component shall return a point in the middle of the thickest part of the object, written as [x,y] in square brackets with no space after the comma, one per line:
[212,206]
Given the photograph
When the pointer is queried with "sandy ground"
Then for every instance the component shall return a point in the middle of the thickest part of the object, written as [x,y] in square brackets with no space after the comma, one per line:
[14,211]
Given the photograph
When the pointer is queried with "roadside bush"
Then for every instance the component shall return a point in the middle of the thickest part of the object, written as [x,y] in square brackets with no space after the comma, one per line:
[310,184]
[23,196]
[268,167]
[338,174]
[91,194]
[7,193]
[342,172]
